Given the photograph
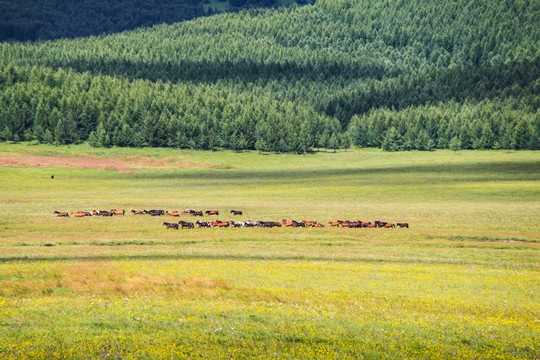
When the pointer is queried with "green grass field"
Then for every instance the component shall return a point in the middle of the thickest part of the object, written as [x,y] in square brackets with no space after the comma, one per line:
[460,283]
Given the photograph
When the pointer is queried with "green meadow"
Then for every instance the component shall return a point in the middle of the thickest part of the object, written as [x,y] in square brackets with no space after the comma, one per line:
[460,283]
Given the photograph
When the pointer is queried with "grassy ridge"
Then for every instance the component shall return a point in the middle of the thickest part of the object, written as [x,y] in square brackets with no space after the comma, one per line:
[460,283]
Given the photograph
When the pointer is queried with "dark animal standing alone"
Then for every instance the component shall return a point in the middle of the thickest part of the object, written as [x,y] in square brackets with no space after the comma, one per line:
[236,212]
[403,225]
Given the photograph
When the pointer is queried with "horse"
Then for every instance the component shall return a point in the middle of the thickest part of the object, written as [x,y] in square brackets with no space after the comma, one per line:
[186,224]
[81,214]
[196,213]
[172,213]
[138,212]
[334,223]
[355,224]
[211,212]
[403,225]
[203,224]
[269,224]
[171,225]
[287,222]
[61,214]
[219,223]
[118,212]
[236,212]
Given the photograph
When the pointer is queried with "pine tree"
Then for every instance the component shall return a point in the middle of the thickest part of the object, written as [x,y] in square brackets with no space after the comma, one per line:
[333,142]
[60,133]
[345,141]
[48,136]
[391,141]
[6,134]
[521,136]
[455,144]
[422,140]
[465,137]
[305,137]
[324,139]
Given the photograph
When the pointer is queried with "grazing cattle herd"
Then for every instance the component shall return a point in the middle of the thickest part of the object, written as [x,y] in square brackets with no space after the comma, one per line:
[236,224]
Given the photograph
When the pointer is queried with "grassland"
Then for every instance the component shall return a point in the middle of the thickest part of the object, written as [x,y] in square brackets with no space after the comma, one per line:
[461,282]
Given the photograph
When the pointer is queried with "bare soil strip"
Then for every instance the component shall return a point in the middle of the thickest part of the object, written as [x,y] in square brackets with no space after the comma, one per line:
[128,165]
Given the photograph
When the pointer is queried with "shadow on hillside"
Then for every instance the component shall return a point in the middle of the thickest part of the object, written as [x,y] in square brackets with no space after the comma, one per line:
[205,71]
[476,83]
[448,173]
[471,83]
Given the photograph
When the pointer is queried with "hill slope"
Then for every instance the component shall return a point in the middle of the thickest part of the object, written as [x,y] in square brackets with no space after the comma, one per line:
[289,79]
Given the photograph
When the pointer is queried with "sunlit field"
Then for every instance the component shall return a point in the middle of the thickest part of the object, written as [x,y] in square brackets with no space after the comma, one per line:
[460,283]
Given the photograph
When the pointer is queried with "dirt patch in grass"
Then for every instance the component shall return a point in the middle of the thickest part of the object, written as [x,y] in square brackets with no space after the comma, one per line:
[129,165]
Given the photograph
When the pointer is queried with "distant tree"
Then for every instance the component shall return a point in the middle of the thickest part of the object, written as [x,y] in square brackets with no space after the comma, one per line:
[305,137]
[455,144]
[522,135]
[324,139]
[48,137]
[333,142]
[421,141]
[60,133]
[465,137]
[345,141]
[6,134]
[391,141]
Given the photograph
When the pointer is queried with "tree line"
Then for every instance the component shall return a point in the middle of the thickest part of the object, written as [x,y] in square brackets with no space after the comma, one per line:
[67,107]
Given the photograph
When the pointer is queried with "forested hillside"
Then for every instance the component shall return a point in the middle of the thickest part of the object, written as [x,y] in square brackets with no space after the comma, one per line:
[393,74]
